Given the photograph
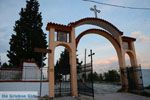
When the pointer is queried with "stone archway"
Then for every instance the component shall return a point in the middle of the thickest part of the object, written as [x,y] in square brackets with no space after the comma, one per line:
[62,73]
[54,29]
[99,32]
[132,58]
[122,45]
[105,34]
[113,34]
[113,41]
[107,27]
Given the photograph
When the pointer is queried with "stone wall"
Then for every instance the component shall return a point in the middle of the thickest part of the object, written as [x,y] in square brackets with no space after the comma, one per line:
[24,86]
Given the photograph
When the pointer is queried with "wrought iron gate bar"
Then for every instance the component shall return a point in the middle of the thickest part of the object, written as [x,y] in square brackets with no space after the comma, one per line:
[85,80]
[132,84]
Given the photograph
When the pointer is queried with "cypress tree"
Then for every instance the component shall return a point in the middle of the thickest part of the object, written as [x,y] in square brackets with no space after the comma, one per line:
[28,35]
[64,63]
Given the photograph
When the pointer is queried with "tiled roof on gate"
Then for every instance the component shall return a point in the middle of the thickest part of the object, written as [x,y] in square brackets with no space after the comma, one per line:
[58,27]
[126,38]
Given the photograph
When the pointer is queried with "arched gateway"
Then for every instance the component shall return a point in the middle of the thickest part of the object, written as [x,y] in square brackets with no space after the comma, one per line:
[64,35]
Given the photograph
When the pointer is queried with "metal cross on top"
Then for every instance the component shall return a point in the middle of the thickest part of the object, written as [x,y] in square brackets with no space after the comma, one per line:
[95,10]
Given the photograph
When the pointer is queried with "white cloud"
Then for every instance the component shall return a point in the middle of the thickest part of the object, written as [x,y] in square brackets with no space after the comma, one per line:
[103,65]
[4,57]
[141,37]
[4,39]
[108,61]
[143,60]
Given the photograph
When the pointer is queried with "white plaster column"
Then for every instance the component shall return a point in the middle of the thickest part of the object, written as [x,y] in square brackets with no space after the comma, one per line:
[51,63]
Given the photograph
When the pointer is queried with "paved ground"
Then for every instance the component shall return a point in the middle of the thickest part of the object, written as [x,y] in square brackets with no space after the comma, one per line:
[112,96]
[66,98]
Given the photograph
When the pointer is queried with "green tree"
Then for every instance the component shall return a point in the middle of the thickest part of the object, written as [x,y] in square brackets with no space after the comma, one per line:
[56,68]
[28,35]
[100,77]
[62,66]
[89,77]
[5,65]
[95,77]
[112,76]
[64,63]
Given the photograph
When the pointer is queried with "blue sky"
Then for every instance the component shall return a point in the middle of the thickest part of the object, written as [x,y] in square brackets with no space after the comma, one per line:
[134,23]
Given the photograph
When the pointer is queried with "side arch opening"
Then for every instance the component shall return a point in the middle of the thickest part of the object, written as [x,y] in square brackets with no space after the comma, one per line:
[62,72]
[108,37]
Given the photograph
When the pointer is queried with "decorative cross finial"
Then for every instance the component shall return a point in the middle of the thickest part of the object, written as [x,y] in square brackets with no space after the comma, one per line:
[95,11]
